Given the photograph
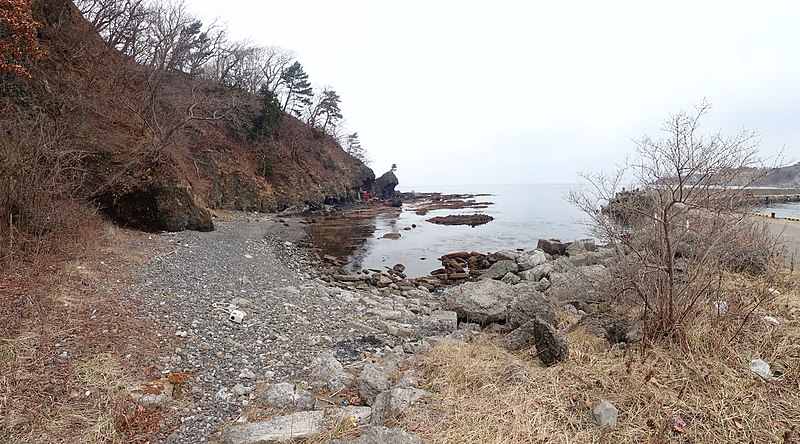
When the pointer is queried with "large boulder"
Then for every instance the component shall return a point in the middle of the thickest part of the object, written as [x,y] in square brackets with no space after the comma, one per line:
[531,259]
[529,304]
[385,184]
[588,284]
[551,344]
[537,273]
[553,247]
[483,302]
[500,269]
[155,199]
[581,246]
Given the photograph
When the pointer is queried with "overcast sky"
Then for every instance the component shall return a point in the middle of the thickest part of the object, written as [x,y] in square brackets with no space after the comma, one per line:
[503,92]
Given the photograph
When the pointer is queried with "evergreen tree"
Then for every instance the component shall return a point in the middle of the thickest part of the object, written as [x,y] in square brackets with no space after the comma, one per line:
[265,123]
[265,127]
[355,149]
[298,90]
[329,109]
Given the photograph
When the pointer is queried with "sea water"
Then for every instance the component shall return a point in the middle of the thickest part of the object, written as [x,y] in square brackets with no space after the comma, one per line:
[523,214]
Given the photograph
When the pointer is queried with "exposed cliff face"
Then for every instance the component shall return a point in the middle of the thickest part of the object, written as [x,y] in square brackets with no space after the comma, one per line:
[157,167]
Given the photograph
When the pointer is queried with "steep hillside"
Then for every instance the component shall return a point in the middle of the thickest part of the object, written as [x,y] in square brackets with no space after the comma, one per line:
[152,150]
[787,176]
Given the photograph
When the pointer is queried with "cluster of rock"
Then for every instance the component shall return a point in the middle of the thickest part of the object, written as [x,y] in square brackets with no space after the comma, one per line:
[384,387]
[473,220]
[515,294]
[316,350]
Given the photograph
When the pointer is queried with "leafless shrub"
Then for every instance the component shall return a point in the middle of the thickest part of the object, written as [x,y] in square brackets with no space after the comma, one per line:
[677,233]
[40,176]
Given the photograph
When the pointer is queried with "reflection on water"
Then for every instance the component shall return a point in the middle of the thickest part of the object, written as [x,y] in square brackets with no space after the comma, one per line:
[522,215]
[341,234]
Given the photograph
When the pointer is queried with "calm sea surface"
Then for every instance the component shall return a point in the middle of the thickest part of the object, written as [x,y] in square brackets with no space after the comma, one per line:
[522,215]
[789,209]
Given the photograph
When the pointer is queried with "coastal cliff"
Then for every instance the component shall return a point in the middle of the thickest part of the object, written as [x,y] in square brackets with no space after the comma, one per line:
[152,150]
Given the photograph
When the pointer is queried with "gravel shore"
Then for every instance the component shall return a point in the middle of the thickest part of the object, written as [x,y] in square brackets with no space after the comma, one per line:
[291,316]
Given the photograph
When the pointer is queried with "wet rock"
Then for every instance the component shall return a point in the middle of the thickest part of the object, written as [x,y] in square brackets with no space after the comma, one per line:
[393,236]
[472,220]
[457,276]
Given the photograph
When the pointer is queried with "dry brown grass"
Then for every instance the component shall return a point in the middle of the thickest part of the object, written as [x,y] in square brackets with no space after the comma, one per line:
[52,304]
[484,394]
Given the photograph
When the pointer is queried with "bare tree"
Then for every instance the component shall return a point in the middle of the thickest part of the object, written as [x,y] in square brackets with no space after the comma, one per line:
[226,62]
[273,62]
[121,23]
[678,230]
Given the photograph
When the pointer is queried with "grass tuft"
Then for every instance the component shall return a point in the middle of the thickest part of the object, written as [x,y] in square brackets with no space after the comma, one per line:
[485,394]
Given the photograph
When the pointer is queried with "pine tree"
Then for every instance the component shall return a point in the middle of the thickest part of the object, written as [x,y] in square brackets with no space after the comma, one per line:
[355,149]
[329,109]
[265,123]
[298,90]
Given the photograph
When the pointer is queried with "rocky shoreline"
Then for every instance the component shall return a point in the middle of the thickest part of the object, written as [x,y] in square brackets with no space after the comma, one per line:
[317,347]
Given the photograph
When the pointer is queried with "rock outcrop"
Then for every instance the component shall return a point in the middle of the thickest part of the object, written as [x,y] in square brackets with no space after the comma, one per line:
[384,185]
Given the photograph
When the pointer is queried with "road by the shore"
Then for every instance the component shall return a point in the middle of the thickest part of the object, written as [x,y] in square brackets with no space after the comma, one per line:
[788,235]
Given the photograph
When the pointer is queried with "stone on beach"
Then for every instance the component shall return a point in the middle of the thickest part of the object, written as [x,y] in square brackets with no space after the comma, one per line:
[483,301]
